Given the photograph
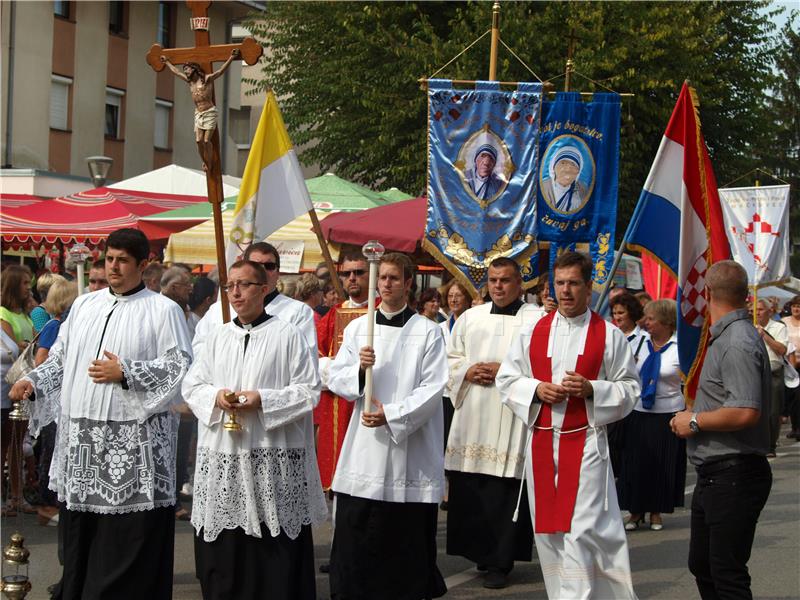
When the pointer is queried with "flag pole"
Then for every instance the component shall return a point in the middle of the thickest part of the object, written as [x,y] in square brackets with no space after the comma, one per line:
[495,41]
[755,287]
[326,254]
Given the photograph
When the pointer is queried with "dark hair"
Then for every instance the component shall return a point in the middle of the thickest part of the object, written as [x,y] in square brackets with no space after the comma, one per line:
[132,241]
[504,261]
[263,248]
[398,259]
[575,259]
[351,257]
[100,263]
[427,296]
[12,280]
[629,303]
[793,301]
[198,69]
[260,271]
[203,289]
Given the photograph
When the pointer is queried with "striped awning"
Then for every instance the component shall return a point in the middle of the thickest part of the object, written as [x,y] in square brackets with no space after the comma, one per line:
[87,217]
[196,245]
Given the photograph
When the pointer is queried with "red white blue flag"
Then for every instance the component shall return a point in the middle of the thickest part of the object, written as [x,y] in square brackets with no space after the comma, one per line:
[679,221]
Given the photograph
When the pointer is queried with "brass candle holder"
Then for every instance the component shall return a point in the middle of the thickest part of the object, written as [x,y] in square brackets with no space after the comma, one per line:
[232,424]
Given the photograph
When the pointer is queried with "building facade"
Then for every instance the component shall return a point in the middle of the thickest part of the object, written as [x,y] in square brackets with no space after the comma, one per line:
[75,84]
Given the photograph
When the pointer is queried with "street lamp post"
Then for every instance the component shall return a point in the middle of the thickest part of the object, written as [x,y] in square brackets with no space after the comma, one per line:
[99,166]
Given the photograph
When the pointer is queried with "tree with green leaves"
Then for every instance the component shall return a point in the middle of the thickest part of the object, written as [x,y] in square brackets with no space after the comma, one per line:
[347,75]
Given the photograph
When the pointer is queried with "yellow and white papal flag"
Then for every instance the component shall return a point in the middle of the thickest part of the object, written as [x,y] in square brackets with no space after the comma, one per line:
[273,191]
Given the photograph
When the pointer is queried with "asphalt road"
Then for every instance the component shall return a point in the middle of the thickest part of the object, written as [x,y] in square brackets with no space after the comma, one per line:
[658,559]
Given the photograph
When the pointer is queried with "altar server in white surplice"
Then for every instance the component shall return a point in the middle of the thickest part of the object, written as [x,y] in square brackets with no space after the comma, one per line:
[109,383]
[486,446]
[256,491]
[276,304]
[390,475]
[567,377]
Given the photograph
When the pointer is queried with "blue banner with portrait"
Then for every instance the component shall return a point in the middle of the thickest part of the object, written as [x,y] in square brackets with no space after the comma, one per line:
[482,177]
[578,175]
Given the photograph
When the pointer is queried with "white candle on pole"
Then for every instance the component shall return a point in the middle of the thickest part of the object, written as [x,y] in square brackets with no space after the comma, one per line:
[373,250]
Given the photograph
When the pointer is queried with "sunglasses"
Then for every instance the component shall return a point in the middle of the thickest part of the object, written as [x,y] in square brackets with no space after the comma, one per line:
[356,272]
[269,266]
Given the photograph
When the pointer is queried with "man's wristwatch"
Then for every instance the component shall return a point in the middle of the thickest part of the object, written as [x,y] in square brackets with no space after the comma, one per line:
[693,424]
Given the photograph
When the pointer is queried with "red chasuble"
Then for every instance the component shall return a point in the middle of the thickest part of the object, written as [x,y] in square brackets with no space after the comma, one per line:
[555,504]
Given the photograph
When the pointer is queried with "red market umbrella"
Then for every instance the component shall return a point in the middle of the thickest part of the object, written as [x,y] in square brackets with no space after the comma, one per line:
[17,200]
[398,226]
[87,217]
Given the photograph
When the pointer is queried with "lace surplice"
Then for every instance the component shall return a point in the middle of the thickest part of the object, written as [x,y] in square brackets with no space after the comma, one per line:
[125,461]
[267,473]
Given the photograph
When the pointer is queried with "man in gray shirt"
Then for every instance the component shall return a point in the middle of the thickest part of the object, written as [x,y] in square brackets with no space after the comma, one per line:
[728,439]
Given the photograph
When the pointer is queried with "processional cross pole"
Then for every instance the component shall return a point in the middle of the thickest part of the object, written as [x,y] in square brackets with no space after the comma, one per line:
[204,55]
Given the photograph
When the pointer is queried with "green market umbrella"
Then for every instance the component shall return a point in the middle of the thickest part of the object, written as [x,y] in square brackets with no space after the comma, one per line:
[394,195]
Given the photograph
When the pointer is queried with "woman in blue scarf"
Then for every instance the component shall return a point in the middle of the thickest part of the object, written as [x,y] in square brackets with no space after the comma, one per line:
[653,473]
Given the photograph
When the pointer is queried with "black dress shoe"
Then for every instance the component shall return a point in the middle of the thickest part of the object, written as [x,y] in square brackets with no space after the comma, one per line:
[495,580]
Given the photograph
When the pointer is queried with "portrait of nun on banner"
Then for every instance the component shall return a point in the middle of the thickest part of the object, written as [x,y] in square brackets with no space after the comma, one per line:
[482,168]
[578,176]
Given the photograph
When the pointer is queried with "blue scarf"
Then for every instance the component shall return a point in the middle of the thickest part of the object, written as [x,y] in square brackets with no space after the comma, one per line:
[649,375]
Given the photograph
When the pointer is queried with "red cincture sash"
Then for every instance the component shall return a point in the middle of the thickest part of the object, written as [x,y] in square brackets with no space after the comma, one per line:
[556,504]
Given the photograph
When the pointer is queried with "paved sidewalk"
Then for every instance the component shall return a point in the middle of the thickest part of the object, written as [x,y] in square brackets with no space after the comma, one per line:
[658,559]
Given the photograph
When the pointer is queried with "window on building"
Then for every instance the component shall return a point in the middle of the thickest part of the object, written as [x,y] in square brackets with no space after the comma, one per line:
[59,102]
[61,9]
[165,29]
[240,126]
[161,133]
[113,112]
[116,16]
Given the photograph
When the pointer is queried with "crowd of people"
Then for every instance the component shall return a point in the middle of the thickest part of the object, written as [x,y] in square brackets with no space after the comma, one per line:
[477,402]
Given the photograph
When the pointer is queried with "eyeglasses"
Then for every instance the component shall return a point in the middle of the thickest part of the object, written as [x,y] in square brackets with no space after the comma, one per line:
[242,285]
[269,266]
[356,272]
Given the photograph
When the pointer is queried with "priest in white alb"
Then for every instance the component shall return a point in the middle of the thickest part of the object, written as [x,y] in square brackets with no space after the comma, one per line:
[110,384]
[390,478]
[256,491]
[566,378]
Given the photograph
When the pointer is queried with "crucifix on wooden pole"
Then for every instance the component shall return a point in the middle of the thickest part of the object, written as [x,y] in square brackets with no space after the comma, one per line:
[203,54]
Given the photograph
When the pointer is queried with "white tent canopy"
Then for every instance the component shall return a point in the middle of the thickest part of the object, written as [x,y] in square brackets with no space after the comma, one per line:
[174,179]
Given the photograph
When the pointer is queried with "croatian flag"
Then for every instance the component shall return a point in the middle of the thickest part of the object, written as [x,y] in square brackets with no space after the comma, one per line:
[679,221]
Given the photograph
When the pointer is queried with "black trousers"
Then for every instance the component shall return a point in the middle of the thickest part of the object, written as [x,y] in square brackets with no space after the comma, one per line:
[725,509]
[186,429]
[237,566]
[119,557]
[479,520]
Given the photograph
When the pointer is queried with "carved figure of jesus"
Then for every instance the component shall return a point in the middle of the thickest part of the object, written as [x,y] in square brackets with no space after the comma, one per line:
[205,112]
